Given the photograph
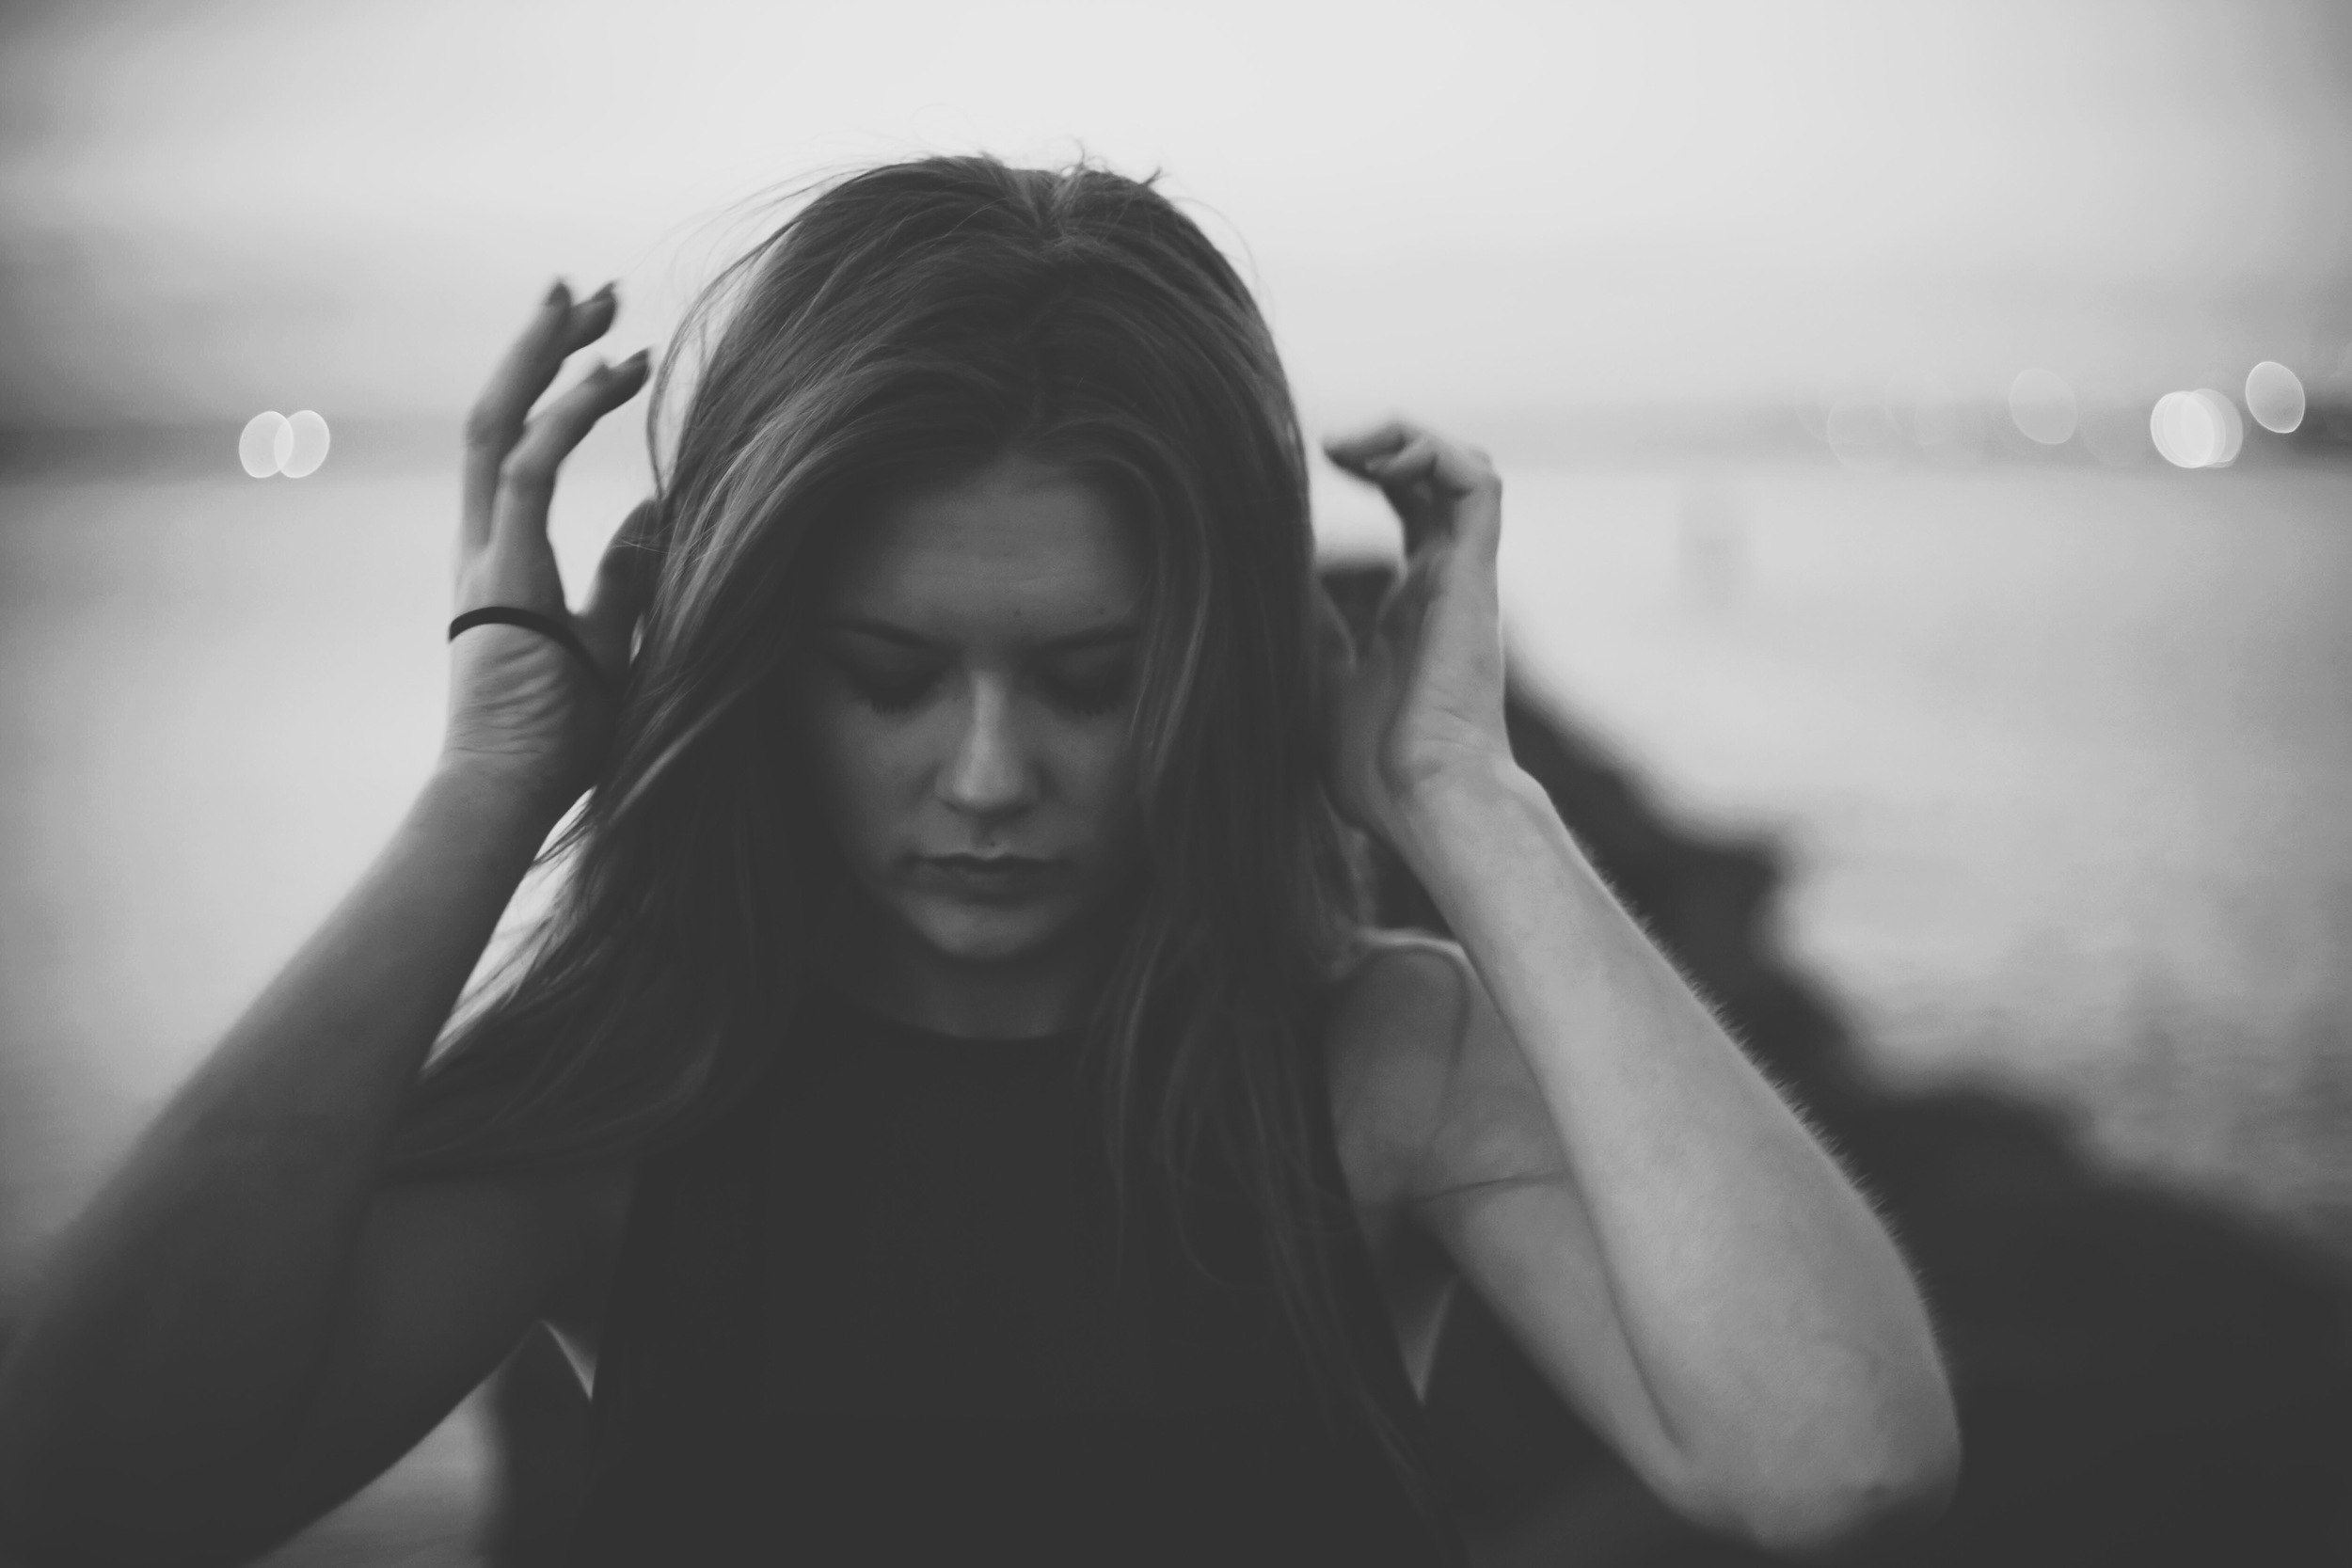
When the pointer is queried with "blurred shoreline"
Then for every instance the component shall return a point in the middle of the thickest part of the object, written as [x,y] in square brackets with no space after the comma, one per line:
[1701,437]
[2051,749]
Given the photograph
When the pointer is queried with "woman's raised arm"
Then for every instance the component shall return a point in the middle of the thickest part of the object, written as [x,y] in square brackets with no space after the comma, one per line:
[1657,1225]
[246,1323]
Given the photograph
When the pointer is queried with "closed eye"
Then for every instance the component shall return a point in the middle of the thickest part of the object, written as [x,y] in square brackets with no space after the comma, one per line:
[892,670]
[1089,683]
[887,681]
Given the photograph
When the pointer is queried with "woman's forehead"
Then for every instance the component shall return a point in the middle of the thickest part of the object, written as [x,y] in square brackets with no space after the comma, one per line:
[1020,548]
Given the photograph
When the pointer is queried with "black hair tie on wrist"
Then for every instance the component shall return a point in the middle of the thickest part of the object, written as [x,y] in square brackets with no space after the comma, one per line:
[546,625]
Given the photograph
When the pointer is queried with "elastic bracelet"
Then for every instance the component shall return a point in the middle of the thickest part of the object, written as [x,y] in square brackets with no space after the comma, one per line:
[546,625]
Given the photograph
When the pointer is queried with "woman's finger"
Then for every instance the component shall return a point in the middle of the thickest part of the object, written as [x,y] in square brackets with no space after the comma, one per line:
[1406,451]
[1405,477]
[1432,482]
[560,328]
[526,480]
[623,585]
[1411,463]
[1351,451]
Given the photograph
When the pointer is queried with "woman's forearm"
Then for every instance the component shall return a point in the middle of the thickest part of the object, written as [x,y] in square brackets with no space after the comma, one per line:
[180,1320]
[1768,1307]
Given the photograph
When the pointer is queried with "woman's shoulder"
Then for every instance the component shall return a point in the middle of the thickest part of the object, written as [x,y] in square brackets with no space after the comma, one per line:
[1396,1026]
[1398,986]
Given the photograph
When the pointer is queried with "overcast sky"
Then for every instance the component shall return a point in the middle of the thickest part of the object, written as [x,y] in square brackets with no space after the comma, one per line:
[1469,207]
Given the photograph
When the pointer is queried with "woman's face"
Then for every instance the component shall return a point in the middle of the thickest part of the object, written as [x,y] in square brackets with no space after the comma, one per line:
[967,709]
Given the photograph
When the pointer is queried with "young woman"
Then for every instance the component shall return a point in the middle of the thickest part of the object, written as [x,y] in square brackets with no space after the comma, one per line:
[955,1107]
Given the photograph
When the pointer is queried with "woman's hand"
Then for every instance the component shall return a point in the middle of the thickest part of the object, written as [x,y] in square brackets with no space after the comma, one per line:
[519,704]
[1423,701]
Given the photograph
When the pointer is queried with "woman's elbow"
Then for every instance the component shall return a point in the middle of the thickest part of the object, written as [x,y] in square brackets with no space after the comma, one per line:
[1892,1495]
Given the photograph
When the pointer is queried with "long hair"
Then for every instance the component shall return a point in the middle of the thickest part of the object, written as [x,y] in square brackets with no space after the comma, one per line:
[909,324]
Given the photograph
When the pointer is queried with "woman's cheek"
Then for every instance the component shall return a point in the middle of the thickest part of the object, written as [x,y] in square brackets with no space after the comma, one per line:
[1110,764]
[854,761]
[883,758]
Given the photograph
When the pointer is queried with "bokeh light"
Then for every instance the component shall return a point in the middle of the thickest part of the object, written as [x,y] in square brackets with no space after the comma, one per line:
[266,443]
[2044,406]
[2202,429]
[2274,395]
[2185,429]
[309,445]
[2233,425]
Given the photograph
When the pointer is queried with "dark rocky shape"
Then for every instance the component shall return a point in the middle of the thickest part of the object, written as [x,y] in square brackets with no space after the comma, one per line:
[2145,1378]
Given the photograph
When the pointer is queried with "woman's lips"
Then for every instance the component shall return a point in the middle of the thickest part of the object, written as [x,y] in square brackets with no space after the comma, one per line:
[1000,878]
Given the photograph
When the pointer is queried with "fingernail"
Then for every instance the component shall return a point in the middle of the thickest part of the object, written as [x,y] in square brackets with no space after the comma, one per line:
[605,293]
[556,294]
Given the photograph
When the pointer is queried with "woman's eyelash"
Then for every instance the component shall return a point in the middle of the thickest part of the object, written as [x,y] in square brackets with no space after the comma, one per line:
[1093,692]
[1087,693]
[892,698]
[886,690]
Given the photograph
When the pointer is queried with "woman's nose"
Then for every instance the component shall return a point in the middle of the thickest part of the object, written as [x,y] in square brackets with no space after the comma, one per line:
[988,774]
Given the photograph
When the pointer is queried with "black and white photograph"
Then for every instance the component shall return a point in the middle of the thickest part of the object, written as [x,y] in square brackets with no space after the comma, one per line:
[1175,785]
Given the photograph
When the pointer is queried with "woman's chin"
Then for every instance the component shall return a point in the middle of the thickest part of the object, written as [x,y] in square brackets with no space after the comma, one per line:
[987,934]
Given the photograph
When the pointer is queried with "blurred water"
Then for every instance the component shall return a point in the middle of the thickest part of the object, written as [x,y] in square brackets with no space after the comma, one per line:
[2063,757]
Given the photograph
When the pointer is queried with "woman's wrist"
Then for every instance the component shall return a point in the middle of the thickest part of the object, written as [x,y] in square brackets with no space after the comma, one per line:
[1441,823]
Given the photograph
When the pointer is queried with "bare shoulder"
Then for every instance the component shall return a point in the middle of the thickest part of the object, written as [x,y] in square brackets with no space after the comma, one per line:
[1395,1032]
[1430,1093]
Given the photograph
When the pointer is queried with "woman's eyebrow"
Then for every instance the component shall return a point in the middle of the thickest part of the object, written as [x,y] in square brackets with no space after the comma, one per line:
[881,630]
[1094,637]
[884,631]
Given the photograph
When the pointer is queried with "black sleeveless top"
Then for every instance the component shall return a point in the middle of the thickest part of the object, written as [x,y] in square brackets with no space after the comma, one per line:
[868,1317]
